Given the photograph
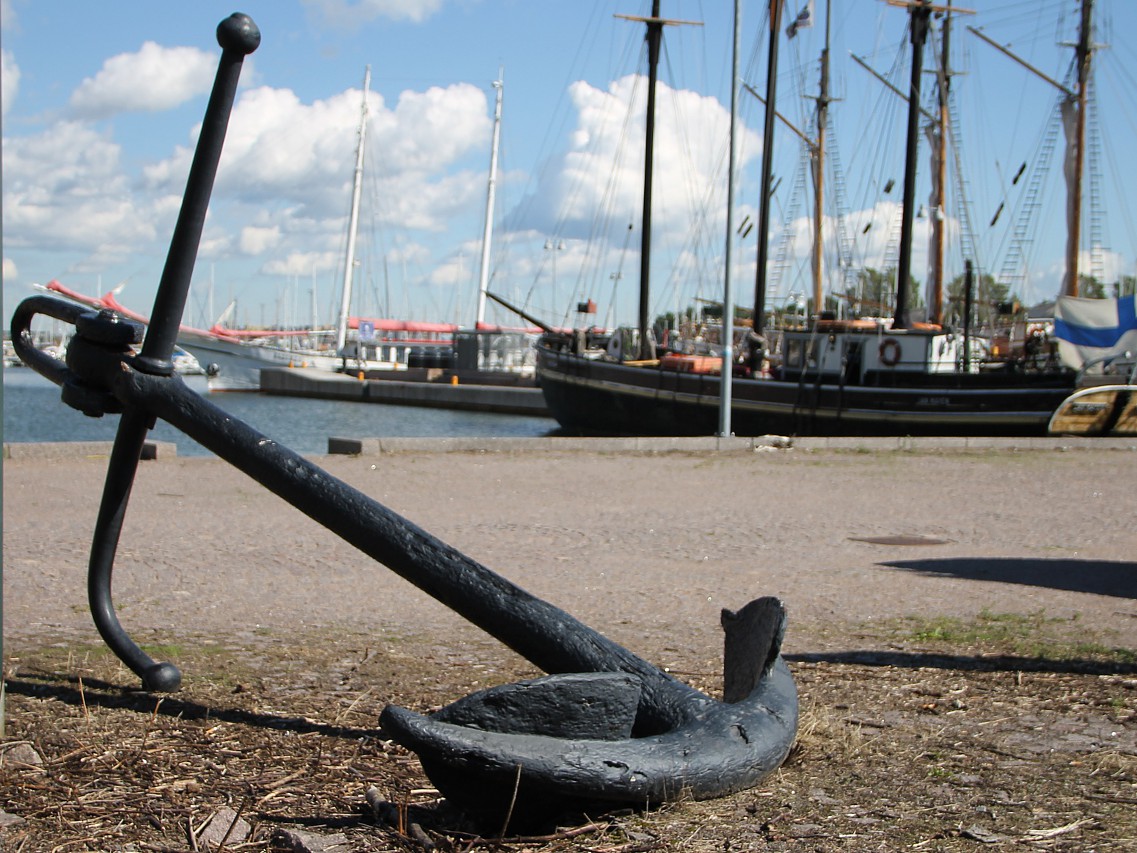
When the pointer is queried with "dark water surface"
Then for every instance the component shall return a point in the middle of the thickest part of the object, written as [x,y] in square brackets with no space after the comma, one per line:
[34,412]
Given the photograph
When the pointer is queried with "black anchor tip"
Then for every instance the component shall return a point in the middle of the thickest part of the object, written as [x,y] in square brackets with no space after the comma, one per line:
[162,678]
[239,33]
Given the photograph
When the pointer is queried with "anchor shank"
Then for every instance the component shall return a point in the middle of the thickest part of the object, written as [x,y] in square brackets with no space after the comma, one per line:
[544,634]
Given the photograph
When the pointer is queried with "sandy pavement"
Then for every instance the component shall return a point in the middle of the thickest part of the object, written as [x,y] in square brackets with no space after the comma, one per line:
[646,548]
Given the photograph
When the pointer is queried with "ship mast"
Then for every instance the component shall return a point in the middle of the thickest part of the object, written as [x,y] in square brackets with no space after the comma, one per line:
[819,167]
[726,389]
[920,11]
[1084,52]
[487,234]
[1076,101]
[939,184]
[767,170]
[654,36]
[655,25]
[353,222]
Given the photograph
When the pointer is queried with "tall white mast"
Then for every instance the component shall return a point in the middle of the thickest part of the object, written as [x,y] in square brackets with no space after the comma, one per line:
[353,223]
[484,276]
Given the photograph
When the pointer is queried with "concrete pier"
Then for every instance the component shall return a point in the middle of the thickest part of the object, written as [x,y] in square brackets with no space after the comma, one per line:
[504,399]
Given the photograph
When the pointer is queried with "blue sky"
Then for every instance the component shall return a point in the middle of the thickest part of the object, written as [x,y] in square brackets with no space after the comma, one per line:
[101,103]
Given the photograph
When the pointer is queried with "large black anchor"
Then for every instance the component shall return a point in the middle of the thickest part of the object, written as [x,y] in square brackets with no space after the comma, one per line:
[604,727]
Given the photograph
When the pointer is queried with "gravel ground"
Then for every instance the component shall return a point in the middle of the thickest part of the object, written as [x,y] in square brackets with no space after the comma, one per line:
[645,547]
[963,628]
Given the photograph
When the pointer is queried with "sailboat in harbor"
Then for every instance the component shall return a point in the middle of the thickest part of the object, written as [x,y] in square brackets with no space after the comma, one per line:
[834,376]
[379,348]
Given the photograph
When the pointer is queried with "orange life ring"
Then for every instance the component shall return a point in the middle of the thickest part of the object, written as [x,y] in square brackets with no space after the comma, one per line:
[889,352]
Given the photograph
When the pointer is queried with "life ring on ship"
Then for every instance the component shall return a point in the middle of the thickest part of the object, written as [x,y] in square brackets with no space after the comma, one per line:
[889,352]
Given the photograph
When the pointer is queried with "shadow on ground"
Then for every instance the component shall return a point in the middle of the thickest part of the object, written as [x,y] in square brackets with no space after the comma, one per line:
[966,663]
[1100,577]
[95,693]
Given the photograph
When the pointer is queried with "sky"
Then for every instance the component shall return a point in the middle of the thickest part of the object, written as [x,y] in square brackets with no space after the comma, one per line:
[101,104]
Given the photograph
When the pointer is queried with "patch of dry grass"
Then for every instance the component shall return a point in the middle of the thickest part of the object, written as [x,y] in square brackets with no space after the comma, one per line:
[908,750]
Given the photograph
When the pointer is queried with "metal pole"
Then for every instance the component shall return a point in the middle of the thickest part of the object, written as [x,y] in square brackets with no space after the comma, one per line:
[727,295]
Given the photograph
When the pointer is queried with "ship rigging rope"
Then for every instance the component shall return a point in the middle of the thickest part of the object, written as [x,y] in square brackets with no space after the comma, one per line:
[869,195]
[575,197]
[1116,70]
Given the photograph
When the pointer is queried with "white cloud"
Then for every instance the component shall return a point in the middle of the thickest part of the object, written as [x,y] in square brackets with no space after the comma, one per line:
[65,187]
[9,80]
[10,272]
[353,13]
[424,202]
[155,78]
[257,240]
[280,151]
[603,169]
[432,127]
[214,243]
[1113,266]
[407,252]
[302,263]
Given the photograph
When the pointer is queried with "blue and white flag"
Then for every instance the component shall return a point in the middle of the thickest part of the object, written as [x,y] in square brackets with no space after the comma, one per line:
[804,19]
[1094,329]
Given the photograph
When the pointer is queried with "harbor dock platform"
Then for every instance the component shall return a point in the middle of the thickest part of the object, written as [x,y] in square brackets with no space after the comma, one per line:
[424,390]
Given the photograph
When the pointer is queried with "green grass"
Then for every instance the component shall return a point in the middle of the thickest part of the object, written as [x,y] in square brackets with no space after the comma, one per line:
[1034,635]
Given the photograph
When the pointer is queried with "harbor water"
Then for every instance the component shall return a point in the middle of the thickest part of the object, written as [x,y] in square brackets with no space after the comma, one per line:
[33,412]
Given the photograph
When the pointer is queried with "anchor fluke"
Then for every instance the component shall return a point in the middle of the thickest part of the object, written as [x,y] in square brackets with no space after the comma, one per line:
[503,748]
[753,640]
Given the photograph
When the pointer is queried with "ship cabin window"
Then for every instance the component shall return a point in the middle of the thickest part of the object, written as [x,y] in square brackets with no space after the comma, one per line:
[798,354]
[794,353]
[853,361]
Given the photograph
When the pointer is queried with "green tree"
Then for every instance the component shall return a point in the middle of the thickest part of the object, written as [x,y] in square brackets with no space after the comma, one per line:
[1090,287]
[875,292]
[986,296]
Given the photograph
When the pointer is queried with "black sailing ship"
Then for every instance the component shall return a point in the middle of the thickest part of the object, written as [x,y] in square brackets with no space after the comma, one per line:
[834,377]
